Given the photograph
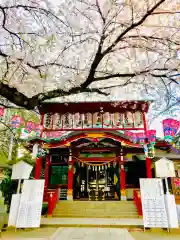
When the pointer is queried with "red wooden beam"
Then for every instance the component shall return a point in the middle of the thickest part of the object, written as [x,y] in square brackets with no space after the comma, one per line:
[85,135]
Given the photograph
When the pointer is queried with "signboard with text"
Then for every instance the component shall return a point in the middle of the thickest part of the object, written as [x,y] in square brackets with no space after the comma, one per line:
[29,215]
[153,203]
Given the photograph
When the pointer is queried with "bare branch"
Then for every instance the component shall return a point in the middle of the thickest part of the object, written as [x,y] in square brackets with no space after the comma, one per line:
[132,26]
[100,12]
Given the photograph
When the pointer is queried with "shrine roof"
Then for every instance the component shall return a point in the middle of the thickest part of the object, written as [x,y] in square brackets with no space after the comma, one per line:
[87,100]
[89,106]
[122,94]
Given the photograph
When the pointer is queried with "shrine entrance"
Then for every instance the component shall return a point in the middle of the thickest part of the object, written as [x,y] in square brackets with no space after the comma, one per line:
[101,185]
[97,183]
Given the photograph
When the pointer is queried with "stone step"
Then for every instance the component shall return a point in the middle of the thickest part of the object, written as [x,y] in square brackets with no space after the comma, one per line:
[93,211]
[98,214]
[100,202]
[92,204]
[94,216]
[90,209]
[93,222]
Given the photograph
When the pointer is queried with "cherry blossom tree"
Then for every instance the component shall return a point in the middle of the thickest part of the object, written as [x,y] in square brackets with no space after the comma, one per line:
[52,49]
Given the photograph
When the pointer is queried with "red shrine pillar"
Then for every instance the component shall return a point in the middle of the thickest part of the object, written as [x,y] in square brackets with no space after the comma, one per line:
[148,160]
[46,172]
[38,168]
[70,177]
[122,178]
[148,168]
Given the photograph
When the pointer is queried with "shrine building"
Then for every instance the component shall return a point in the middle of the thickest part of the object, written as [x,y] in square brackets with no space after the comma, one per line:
[94,150]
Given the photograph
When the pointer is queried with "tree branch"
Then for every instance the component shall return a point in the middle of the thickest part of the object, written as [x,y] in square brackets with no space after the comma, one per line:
[18,98]
[124,75]
[100,55]
[100,12]
[132,26]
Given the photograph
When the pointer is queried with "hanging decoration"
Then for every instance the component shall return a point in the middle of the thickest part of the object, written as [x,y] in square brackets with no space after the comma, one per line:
[104,164]
[30,126]
[2,112]
[39,129]
[147,140]
[170,128]
[141,137]
[16,122]
[100,120]
[149,150]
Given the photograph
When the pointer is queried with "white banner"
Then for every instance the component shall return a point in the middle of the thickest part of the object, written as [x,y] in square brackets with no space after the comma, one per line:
[29,215]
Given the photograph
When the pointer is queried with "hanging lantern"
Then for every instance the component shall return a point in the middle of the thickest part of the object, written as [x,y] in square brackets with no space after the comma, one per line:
[16,121]
[175,126]
[135,137]
[149,150]
[151,135]
[2,111]
[39,129]
[141,138]
[170,128]
[30,126]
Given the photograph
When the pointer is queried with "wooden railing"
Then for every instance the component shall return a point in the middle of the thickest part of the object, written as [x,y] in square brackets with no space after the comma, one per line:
[137,201]
[52,197]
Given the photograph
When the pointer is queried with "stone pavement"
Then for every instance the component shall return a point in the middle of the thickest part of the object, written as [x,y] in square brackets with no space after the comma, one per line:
[82,233]
[92,234]
[29,234]
[155,236]
[70,234]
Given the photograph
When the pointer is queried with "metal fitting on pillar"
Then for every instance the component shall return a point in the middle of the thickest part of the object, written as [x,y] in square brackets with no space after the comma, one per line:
[70,156]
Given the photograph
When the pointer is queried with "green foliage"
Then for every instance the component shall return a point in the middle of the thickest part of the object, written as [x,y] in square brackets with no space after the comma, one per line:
[7,187]
[25,114]
[5,133]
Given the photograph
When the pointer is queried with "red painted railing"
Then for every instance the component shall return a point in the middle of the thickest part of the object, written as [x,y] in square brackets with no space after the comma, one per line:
[52,197]
[137,201]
